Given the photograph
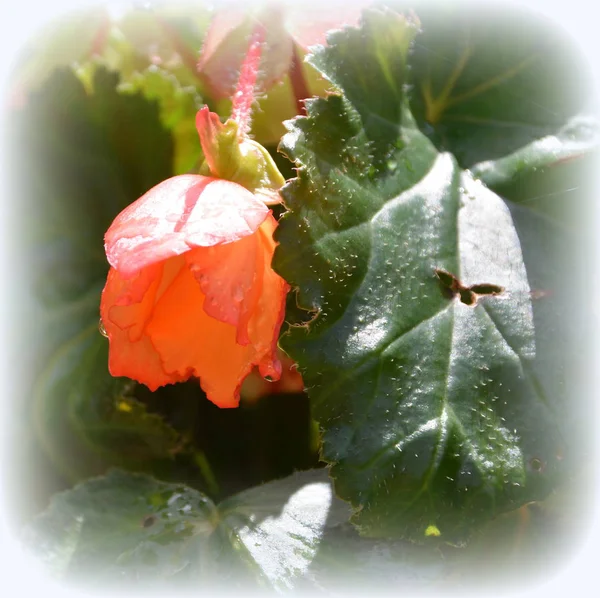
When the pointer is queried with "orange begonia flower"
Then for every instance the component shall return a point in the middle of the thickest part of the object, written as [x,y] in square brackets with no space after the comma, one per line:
[191,291]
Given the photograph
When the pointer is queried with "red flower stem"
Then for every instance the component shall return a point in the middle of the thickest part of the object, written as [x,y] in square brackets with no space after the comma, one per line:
[299,85]
[241,109]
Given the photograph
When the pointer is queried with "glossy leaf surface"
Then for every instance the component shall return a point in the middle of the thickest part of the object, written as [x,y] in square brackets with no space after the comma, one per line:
[430,412]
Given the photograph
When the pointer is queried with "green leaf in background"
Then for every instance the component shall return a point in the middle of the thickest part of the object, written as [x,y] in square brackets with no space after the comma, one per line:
[552,175]
[290,534]
[178,107]
[153,51]
[487,80]
[130,527]
[126,40]
[122,527]
[431,411]
[78,160]
[169,35]
[79,405]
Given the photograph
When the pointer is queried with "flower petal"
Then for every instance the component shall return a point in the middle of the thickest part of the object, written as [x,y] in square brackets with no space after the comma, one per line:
[270,309]
[180,213]
[231,279]
[125,309]
[191,343]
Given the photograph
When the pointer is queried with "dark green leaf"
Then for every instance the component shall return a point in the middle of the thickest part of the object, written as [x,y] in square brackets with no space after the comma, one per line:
[84,419]
[430,414]
[488,80]
[359,68]
[152,49]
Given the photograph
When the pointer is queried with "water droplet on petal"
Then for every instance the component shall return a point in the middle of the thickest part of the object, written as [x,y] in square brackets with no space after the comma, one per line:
[238,294]
[102,329]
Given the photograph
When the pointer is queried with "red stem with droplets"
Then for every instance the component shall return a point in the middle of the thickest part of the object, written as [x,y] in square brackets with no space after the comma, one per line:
[241,109]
